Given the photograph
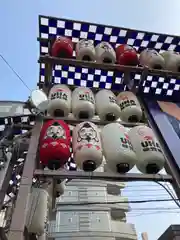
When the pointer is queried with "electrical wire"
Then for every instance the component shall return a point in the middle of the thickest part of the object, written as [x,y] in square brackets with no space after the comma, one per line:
[17,75]
[94,221]
[152,213]
[169,192]
[154,208]
[142,190]
[140,185]
[145,195]
[167,186]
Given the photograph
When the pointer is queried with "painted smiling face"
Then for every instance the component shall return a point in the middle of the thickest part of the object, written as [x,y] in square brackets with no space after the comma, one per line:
[87,133]
[55,131]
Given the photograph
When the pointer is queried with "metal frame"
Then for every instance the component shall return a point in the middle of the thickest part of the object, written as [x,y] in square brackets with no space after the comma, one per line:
[74,121]
[108,67]
[102,176]
[17,227]
[5,177]
[18,222]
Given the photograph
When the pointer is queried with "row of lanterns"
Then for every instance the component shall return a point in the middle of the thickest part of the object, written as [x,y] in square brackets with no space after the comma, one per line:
[84,104]
[124,54]
[122,149]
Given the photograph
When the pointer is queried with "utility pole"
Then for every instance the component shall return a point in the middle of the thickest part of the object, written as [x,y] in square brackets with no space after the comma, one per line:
[144,236]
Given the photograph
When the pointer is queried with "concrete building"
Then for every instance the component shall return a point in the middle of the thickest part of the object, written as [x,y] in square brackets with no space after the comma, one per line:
[97,221]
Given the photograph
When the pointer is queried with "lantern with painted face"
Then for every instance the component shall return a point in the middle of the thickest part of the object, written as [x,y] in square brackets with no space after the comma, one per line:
[85,50]
[87,148]
[62,47]
[172,61]
[54,147]
[105,53]
[126,55]
[151,59]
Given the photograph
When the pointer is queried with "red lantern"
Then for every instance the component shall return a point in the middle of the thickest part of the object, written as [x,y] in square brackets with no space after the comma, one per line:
[54,150]
[62,48]
[126,55]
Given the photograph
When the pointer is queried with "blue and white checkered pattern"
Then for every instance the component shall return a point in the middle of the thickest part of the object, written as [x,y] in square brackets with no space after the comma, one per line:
[164,88]
[8,121]
[50,27]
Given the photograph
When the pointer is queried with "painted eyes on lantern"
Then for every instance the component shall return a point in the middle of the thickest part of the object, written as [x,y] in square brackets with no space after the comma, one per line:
[127,47]
[90,132]
[155,53]
[49,132]
[60,132]
[152,52]
[104,46]
[85,42]
[83,132]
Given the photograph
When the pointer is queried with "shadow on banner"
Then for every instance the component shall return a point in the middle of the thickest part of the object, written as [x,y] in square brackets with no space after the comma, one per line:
[166,116]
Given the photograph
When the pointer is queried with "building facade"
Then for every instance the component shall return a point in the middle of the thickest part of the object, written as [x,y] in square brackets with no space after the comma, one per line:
[92,217]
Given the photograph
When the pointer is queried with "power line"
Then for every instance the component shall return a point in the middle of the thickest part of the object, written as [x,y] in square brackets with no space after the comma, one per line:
[142,190]
[17,75]
[144,196]
[155,208]
[138,186]
[153,213]
[170,193]
[171,190]
[114,202]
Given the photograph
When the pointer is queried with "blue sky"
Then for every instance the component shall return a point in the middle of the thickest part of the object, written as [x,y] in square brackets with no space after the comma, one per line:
[19,31]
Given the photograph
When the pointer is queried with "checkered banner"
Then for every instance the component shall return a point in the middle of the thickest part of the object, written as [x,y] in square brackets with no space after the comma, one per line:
[160,88]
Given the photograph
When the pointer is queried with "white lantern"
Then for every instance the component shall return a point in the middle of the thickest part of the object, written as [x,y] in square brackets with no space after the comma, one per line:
[172,61]
[117,148]
[59,101]
[149,154]
[105,53]
[85,50]
[87,148]
[130,108]
[151,59]
[83,103]
[37,211]
[106,105]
